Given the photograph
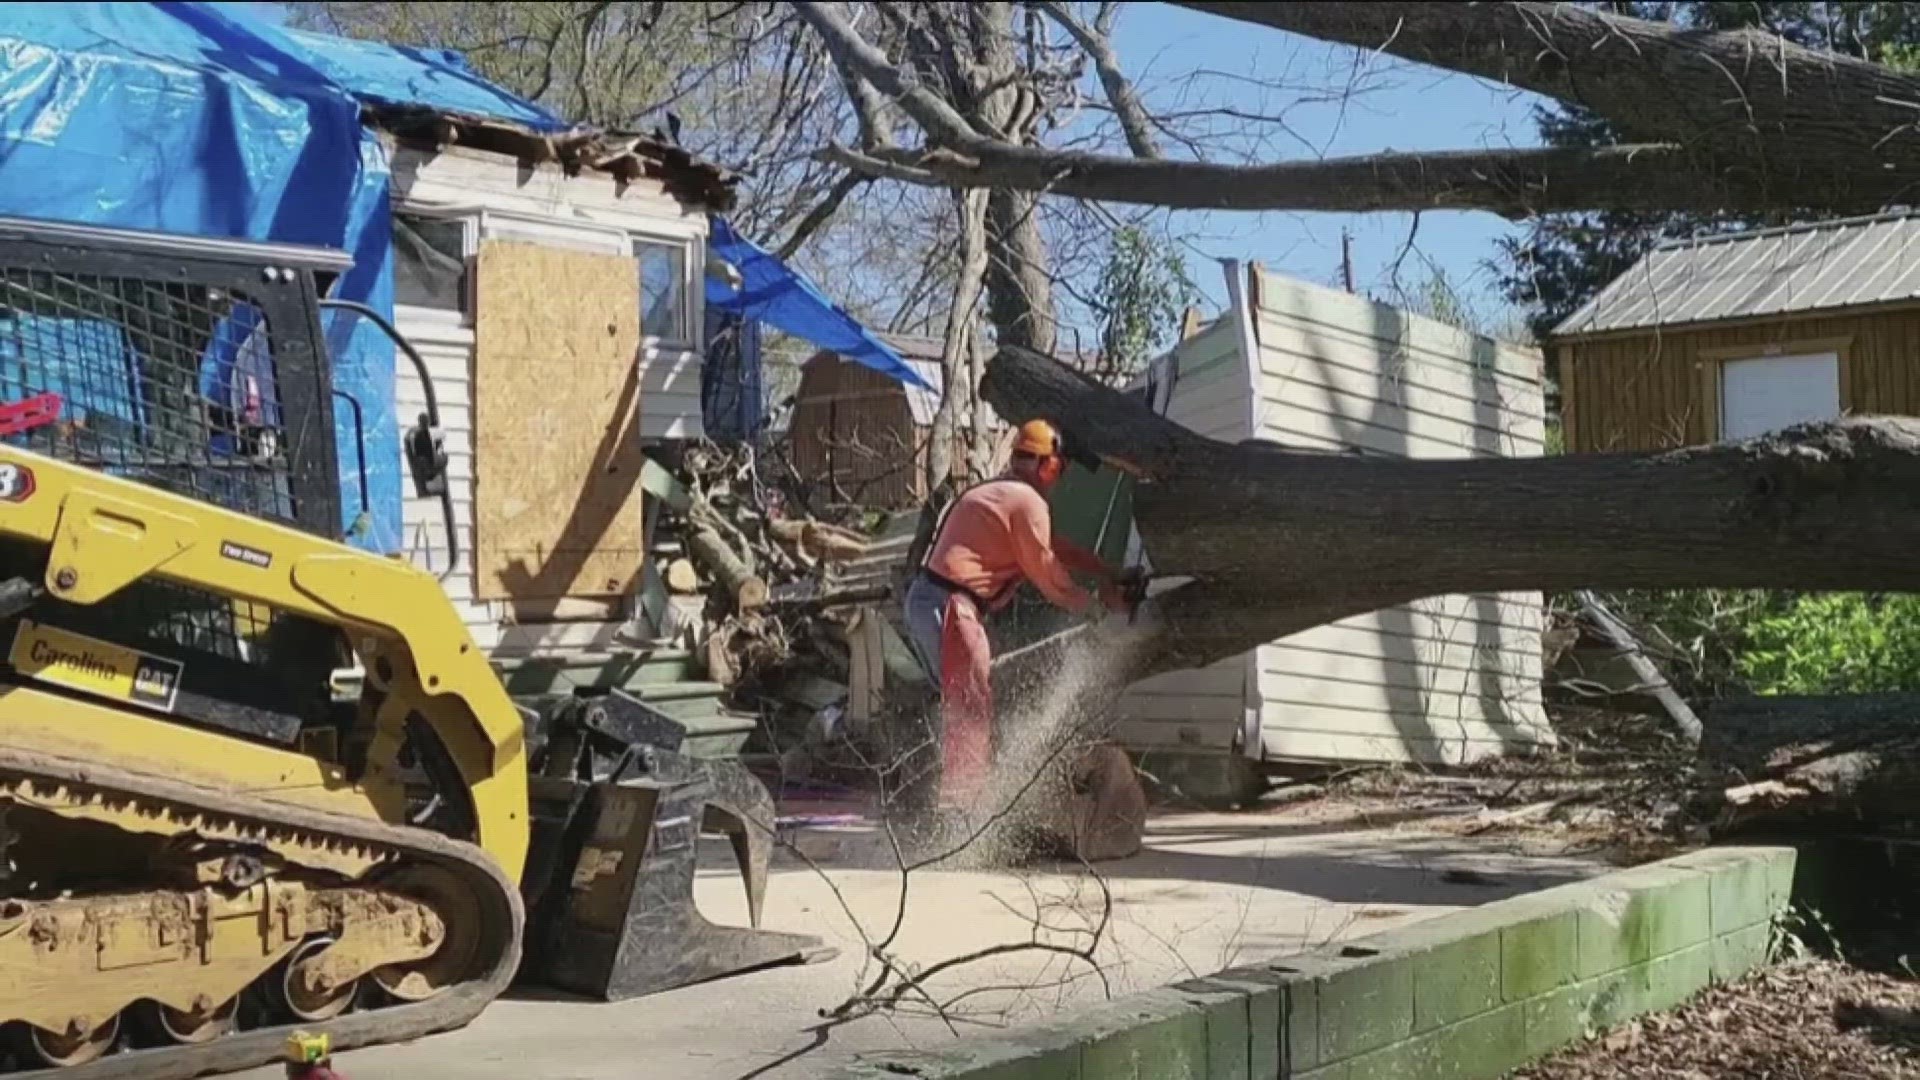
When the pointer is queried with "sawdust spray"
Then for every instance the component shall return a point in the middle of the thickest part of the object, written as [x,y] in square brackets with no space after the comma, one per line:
[1044,725]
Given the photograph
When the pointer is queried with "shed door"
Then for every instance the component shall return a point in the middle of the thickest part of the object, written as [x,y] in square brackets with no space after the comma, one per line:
[1769,393]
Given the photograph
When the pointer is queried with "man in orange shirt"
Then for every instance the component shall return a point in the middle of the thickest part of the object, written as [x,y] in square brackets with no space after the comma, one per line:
[993,536]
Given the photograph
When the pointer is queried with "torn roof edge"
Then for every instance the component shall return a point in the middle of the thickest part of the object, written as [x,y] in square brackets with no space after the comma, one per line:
[625,155]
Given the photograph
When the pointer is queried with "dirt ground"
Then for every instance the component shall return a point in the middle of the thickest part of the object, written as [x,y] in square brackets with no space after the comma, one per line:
[1808,1020]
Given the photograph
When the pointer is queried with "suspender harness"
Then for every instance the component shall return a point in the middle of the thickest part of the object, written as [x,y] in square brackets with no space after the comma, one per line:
[933,543]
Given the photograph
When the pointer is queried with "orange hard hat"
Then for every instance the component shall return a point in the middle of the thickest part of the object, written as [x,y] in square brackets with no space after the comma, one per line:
[1039,438]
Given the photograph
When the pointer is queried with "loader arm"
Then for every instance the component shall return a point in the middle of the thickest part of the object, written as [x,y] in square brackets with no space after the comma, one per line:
[105,533]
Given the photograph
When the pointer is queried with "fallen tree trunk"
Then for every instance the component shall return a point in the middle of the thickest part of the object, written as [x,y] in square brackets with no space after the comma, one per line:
[1814,763]
[1258,541]
[1276,540]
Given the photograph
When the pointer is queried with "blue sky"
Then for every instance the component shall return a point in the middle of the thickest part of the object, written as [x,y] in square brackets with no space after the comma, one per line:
[1393,105]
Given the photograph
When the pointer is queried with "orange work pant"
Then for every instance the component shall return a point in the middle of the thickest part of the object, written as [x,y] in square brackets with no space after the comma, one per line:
[966,703]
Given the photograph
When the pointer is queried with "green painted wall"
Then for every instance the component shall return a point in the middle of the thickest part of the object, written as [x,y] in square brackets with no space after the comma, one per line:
[1470,995]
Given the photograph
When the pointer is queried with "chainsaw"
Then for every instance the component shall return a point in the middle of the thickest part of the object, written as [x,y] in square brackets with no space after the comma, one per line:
[1133,589]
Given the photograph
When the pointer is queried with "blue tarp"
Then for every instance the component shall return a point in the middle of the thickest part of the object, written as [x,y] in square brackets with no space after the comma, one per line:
[775,294]
[195,118]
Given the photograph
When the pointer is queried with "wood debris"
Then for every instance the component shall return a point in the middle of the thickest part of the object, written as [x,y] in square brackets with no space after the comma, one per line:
[785,601]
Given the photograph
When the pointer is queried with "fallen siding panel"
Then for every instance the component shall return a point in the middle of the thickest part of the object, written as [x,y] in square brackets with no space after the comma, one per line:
[1203,708]
[1446,679]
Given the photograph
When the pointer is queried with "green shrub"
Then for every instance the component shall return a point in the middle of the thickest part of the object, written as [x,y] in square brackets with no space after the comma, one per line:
[1697,636]
[1835,643]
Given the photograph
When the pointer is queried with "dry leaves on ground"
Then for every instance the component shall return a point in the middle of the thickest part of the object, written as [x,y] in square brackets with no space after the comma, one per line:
[1814,1020]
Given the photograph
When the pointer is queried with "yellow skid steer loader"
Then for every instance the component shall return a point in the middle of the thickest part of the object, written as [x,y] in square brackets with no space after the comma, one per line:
[204,846]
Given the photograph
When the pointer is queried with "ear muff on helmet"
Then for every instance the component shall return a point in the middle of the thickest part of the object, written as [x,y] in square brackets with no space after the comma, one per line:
[1051,467]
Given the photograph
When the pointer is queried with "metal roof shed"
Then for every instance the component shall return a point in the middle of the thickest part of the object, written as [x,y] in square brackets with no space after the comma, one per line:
[1728,336]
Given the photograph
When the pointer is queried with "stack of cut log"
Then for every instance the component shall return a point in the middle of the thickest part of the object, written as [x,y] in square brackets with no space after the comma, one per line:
[788,613]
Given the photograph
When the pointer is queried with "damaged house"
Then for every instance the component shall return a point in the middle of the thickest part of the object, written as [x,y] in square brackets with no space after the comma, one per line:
[552,282]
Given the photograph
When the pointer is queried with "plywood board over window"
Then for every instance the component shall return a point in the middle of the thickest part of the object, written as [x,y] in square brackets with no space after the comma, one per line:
[556,423]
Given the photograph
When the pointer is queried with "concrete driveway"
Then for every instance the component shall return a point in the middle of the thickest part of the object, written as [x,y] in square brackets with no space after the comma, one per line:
[1209,891]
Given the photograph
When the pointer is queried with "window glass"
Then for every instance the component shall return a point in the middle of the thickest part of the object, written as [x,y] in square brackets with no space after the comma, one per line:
[663,289]
[430,262]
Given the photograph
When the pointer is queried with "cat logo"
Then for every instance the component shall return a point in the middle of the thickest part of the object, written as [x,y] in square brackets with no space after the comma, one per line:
[77,662]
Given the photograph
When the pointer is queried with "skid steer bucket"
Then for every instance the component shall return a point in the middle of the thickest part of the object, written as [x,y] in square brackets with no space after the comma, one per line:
[618,813]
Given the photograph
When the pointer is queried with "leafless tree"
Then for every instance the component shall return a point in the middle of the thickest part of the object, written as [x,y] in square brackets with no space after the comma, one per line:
[1710,120]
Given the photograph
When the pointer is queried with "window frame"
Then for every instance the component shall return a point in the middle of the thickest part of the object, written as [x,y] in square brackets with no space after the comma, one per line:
[469,247]
[689,336]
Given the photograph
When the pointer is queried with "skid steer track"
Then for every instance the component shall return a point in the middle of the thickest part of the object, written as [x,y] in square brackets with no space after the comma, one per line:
[172,808]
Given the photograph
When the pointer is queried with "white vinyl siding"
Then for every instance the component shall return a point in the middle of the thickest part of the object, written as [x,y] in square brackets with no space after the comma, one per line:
[1197,709]
[587,212]
[1447,679]
[447,347]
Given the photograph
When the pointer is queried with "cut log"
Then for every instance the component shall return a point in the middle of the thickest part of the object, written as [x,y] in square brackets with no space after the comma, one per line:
[682,577]
[749,592]
[818,541]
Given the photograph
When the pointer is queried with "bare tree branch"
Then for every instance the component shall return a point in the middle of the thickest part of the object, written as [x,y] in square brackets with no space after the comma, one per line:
[1733,98]
[957,387]
[821,213]
[861,59]
[1126,104]
[1716,121]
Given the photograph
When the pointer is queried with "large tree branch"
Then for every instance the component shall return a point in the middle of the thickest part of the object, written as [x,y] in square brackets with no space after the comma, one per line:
[1278,540]
[1737,96]
[1717,120]
[1515,183]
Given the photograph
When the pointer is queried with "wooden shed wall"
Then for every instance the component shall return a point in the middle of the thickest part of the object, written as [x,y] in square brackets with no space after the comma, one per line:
[1658,389]
[854,423]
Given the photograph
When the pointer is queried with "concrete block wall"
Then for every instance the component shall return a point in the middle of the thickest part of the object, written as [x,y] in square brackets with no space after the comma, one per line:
[1470,995]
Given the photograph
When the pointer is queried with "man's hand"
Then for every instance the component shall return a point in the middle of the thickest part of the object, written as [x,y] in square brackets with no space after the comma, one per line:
[1123,595]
